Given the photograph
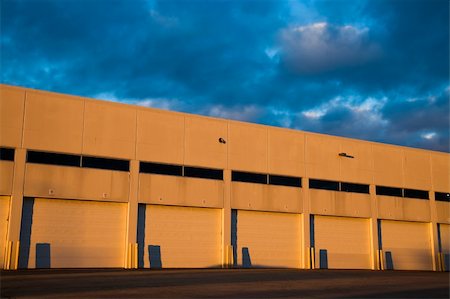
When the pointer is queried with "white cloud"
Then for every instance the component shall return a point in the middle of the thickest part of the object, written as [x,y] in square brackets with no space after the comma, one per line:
[244,113]
[428,135]
[320,47]
[160,103]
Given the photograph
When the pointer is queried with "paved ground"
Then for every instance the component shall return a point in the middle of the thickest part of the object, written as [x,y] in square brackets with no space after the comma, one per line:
[231,283]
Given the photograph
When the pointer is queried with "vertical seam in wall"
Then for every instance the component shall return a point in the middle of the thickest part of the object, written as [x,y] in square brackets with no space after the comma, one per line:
[430,160]
[268,154]
[82,131]
[184,144]
[23,118]
[135,132]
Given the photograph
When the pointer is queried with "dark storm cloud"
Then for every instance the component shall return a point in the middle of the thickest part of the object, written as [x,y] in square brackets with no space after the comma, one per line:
[317,65]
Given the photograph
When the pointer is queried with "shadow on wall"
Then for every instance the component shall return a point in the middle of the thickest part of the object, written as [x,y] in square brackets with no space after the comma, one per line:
[389,261]
[141,234]
[246,260]
[43,256]
[25,232]
[234,236]
[323,258]
[154,256]
[446,262]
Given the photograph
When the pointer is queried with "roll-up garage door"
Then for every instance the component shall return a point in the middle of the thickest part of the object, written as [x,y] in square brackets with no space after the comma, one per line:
[341,242]
[4,211]
[72,234]
[444,237]
[179,237]
[406,245]
[267,239]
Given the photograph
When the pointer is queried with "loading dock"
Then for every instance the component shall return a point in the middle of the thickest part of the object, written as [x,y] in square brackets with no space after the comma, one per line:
[179,237]
[341,242]
[406,245]
[267,239]
[72,234]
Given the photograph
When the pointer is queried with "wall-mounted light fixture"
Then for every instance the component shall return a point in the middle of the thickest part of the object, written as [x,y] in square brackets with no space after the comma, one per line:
[221,140]
[346,155]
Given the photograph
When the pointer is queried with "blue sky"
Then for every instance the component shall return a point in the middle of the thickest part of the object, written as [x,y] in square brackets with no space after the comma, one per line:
[375,70]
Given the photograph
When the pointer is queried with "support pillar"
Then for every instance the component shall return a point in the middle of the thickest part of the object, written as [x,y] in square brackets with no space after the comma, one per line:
[308,259]
[376,258]
[434,234]
[227,250]
[15,211]
[131,258]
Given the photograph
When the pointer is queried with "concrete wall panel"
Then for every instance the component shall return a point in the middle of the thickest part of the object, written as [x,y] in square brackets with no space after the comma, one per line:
[286,152]
[109,130]
[258,197]
[443,212]
[76,183]
[360,168]
[322,157]
[12,101]
[440,164]
[6,177]
[160,137]
[202,142]
[53,123]
[388,165]
[391,207]
[172,190]
[324,202]
[417,169]
[247,147]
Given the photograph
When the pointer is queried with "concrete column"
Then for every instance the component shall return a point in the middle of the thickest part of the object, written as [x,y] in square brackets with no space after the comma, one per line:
[306,224]
[434,233]
[375,260]
[15,211]
[131,247]
[227,251]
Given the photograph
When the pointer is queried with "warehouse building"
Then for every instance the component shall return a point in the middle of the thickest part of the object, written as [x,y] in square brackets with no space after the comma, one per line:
[88,183]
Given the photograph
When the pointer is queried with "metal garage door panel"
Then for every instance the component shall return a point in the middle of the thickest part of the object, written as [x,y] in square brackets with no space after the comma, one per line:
[345,242]
[4,212]
[72,234]
[182,237]
[406,245]
[266,239]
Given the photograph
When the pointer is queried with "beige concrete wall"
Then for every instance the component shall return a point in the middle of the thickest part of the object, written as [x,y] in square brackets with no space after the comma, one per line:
[440,164]
[397,208]
[6,177]
[336,203]
[258,197]
[443,212]
[75,183]
[181,191]
[109,130]
[160,137]
[12,102]
[52,122]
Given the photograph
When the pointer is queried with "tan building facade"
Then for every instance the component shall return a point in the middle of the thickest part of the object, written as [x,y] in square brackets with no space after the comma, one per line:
[89,183]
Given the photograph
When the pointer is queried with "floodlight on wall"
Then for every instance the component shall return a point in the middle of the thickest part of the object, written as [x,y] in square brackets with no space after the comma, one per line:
[345,155]
[221,140]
